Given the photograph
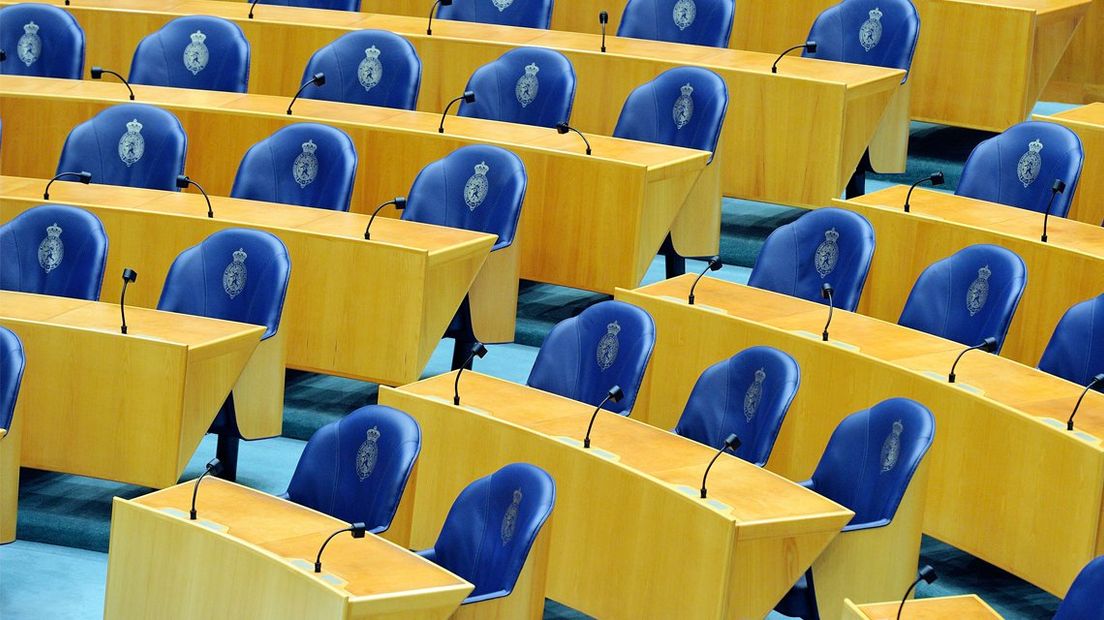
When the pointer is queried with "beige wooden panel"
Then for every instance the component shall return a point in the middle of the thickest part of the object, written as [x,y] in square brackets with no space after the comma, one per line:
[1079,76]
[1088,123]
[964,607]
[10,449]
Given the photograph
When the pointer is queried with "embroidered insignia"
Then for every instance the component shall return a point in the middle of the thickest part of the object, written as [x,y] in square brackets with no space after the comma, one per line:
[132,145]
[684,13]
[475,190]
[871,30]
[509,520]
[827,253]
[978,292]
[370,70]
[527,85]
[305,166]
[502,5]
[608,346]
[754,394]
[51,250]
[367,454]
[684,107]
[29,46]
[1027,169]
[196,54]
[235,274]
[891,447]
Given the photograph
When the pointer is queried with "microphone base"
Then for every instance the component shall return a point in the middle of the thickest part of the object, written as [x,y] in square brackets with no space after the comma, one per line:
[1062,426]
[211,525]
[696,494]
[820,337]
[308,567]
[943,379]
[449,402]
[571,441]
[686,302]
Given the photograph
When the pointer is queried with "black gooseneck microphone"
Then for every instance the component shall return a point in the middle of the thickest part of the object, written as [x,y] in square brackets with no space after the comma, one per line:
[936,179]
[603,19]
[714,264]
[467,97]
[477,350]
[97,74]
[988,345]
[183,181]
[213,468]
[615,394]
[1097,380]
[251,5]
[826,292]
[3,56]
[318,79]
[432,10]
[129,275]
[1058,187]
[808,46]
[83,176]
[564,128]
[398,201]
[732,442]
[358,530]
[926,574]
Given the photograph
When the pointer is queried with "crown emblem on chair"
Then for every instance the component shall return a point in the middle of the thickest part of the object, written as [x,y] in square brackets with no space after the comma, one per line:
[985,272]
[30,28]
[482,168]
[898,428]
[309,146]
[240,256]
[760,375]
[687,90]
[876,13]
[517,496]
[613,328]
[1035,145]
[372,52]
[134,126]
[831,235]
[53,231]
[373,434]
[198,37]
[531,68]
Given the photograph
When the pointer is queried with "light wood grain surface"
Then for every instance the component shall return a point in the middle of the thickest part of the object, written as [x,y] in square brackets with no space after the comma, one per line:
[1088,123]
[965,607]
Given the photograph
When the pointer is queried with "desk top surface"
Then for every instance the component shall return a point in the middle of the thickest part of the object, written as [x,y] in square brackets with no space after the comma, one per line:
[965,607]
[1091,114]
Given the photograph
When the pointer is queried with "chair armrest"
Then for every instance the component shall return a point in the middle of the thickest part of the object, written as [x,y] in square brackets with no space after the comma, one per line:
[485,597]
[379,529]
[869,525]
[429,554]
[285,495]
[808,484]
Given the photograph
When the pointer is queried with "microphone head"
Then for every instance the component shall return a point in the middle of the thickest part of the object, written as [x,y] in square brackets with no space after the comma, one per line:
[1099,381]
[989,344]
[3,56]
[715,263]
[615,394]
[928,574]
[479,350]
[319,79]
[810,47]
[732,442]
[96,72]
[562,127]
[468,96]
[400,202]
[446,2]
[603,18]
[84,176]
[1059,186]
[826,290]
[182,182]
[937,178]
[129,275]
[214,465]
[358,529]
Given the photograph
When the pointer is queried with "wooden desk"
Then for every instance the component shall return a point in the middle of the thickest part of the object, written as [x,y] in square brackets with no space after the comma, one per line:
[991,450]
[372,310]
[588,222]
[236,561]
[1088,123]
[624,532]
[793,138]
[1079,76]
[965,607]
[1068,269]
[132,407]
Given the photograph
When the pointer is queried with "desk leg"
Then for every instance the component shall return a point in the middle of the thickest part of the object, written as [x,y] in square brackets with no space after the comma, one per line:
[674,263]
[857,185]
[225,427]
[463,335]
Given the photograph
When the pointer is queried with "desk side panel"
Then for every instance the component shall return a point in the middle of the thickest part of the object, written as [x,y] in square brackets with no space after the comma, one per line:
[1088,201]
[1079,76]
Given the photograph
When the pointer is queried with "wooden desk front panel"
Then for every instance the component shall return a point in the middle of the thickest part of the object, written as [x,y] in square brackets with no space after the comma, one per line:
[1088,123]
[1079,76]
[965,607]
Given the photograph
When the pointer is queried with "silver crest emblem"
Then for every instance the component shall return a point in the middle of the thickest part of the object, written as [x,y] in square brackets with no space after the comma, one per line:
[684,13]
[233,277]
[827,253]
[684,107]
[29,46]
[370,70]
[754,394]
[891,447]
[502,5]
[475,190]
[196,54]
[132,145]
[305,166]
[509,520]
[871,30]
[51,250]
[1027,169]
[367,454]
[978,292]
[526,88]
[608,346]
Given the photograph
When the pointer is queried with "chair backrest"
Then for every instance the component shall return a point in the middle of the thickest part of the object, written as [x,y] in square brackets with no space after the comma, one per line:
[684,106]
[131,144]
[697,22]
[492,525]
[1082,601]
[829,245]
[53,250]
[867,32]
[528,85]
[1018,167]
[478,187]
[968,296]
[236,274]
[608,344]
[333,5]
[871,457]
[369,67]
[41,41]
[12,362]
[526,13]
[198,51]
[747,394]
[355,469]
[1076,349]
[304,164]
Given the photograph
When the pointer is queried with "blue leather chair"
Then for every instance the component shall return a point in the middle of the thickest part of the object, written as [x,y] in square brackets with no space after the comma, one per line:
[1019,166]
[526,13]
[12,362]
[968,296]
[491,527]
[1076,350]
[697,22]
[333,5]
[528,85]
[53,250]
[833,246]
[866,467]
[867,32]
[1082,601]
[684,106]
[747,394]
[41,41]
[198,51]
[355,469]
[131,144]
[369,67]
[304,164]
[608,344]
